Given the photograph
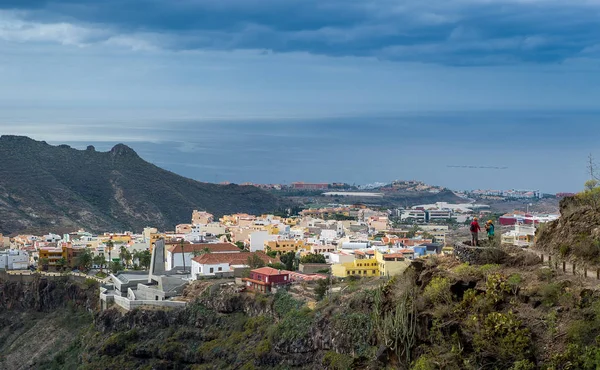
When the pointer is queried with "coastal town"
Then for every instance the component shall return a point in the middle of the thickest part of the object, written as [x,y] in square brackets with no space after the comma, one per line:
[259,253]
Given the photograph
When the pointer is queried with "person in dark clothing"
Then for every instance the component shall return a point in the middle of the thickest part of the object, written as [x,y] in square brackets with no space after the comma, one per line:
[475,229]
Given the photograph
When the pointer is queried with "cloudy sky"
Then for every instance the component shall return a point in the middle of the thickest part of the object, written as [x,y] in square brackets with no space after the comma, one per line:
[126,70]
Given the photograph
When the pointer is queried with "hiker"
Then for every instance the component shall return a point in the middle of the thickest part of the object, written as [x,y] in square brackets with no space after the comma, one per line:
[489,227]
[475,229]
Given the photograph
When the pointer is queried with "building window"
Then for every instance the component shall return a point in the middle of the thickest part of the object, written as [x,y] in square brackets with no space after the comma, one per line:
[211,270]
[220,268]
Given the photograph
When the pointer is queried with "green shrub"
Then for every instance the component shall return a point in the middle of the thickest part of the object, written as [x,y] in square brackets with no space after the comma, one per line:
[550,293]
[438,291]
[501,336]
[496,288]
[337,361]
[283,303]
[523,365]
[465,271]
[546,274]
[564,250]
[424,363]
[294,326]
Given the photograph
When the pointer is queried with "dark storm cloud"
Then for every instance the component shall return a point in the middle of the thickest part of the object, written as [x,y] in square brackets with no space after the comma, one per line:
[464,32]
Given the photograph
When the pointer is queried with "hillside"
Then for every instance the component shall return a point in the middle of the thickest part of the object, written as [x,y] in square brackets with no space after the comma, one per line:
[53,188]
[515,314]
[576,234]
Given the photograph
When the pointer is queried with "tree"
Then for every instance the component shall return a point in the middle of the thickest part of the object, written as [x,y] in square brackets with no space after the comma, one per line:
[322,287]
[313,258]
[240,245]
[289,260]
[255,261]
[125,256]
[413,231]
[84,260]
[60,264]
[109,247]
[43,263]
[145,259]
[99,261]
[115,267]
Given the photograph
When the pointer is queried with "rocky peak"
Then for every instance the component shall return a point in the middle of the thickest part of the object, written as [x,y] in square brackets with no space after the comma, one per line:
[122,150]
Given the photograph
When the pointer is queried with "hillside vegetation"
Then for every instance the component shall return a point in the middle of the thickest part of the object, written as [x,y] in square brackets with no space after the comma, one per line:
[441,314]
[576,234]
[53,188]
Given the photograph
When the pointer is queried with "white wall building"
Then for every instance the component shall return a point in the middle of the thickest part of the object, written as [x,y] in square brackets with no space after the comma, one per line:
[14,259]
[258,239]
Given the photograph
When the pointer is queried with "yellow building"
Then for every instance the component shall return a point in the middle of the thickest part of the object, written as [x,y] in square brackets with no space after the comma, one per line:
[364,268]
[389,264]
[272,229]
[118,238]
[284,246]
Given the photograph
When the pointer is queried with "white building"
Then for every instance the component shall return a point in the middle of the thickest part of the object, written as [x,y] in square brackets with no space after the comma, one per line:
[520,236]
[258,239]
[340,257]
[14,259]
[211,264]
[175,255]
[415,215]
[328,236]
[355,245]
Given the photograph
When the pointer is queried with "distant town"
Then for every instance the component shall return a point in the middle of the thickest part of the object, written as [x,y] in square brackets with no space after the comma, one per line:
[264,252]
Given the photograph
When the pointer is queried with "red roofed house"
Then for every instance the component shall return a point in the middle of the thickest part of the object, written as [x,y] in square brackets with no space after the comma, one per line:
[210,264]
[175,255]
[266,278]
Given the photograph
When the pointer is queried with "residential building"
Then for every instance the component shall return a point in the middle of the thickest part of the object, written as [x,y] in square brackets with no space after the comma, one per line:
[14,259]
[49,256]
[520,236]
[363,267]
[284,246]
[201,218]
[340,257]
[391,264]
[211,264]
[321,249]
[183,228]
[266,279]
[259,238]
[175,255]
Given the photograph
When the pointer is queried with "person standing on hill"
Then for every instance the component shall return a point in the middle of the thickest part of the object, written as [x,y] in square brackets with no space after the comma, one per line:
[475,229]
[489,227]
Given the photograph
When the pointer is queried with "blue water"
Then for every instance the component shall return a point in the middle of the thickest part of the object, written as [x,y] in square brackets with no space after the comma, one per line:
[541,150]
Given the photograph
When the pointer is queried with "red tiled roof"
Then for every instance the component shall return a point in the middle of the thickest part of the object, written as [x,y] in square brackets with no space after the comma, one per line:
[406,251]
[213,247]
[270,271]
[240,258]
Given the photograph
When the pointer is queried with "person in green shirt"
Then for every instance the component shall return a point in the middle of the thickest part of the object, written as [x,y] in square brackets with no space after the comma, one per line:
[489,227]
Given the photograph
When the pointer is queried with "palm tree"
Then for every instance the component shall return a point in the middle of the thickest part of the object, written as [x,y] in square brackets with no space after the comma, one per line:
[109,247]
[84,260]
[124,255]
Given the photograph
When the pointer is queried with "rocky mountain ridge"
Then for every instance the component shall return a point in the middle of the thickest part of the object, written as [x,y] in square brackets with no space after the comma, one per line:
[47,188]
